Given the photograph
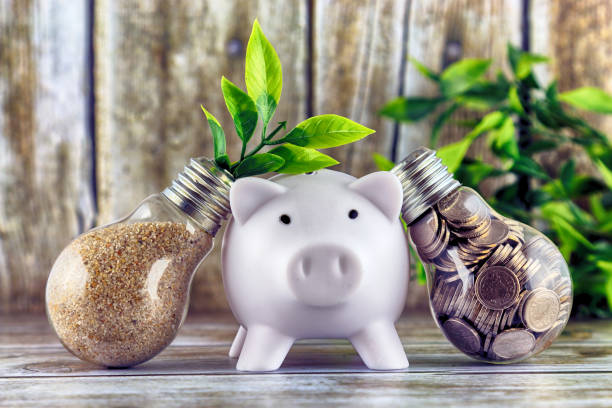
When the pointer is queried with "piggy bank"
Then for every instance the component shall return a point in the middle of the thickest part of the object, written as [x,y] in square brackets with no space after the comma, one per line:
[317,255]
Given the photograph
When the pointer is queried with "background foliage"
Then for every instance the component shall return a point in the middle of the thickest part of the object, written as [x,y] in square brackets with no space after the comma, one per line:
[522,120]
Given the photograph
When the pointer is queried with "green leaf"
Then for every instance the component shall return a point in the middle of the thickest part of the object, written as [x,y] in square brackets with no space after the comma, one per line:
[540,146]
[471,174]
[503,140]
[301,159]
[514,54]
[567,174]
[514,101]
[588,98]
[485,95]
[410,109]
[461,75]
[218,135]
[565,228]
[491,121]
[526,61]
[258,164]
[452,154]
[426,72]
[382,163]
[323,131]
[527,166]
[606,173]
[440,121]
[241,107]
[582,185]
[263,73]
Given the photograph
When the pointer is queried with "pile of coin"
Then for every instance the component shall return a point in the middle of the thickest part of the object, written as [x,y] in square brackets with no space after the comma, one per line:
[500,292]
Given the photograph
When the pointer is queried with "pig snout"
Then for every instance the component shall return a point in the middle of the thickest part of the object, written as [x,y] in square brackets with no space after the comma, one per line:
[324,275]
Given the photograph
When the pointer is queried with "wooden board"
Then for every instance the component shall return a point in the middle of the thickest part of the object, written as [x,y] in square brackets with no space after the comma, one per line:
[356,69]
[45,152]
[195,370]
[156,62]
[441,32]
[577,36]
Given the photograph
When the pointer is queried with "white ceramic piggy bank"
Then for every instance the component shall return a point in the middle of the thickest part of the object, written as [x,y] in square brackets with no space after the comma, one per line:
[319,255]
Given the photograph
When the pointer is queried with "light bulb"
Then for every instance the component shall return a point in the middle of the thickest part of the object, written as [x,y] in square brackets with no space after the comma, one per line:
[117,295]
[499,290]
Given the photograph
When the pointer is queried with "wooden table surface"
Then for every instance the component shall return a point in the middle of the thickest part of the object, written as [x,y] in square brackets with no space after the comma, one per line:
[35,370]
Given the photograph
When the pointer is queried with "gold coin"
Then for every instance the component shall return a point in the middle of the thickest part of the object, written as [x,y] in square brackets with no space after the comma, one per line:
[512,344]
[541,310]
[497,287]
[462,335]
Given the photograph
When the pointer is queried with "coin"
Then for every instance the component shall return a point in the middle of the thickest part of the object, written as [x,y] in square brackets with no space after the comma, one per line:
[512,343]
[464,209]
[497,324]
[514,309]
[424,230]
[447,202]
[439,243]
[480,226]
[487,343]
[540,310]
[497,287]
[530,271]
[462,335]
[439,293]
[447,299]
[499,255]
[546,339]
[454,300]
[498,233]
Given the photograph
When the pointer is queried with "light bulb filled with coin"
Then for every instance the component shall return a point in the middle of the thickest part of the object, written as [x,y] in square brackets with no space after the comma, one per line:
[117,295]
[499,289]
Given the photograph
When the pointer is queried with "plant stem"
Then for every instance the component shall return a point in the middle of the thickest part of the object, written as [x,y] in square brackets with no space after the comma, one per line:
[242,151]
[266,140]
[280,126]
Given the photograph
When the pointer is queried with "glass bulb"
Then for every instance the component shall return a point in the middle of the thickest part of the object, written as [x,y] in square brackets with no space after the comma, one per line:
[499,290]
[117,295]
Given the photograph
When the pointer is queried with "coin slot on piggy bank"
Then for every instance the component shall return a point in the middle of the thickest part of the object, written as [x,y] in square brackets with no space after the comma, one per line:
[499,290]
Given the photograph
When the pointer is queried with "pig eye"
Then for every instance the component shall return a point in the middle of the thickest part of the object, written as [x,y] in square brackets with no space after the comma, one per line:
[285,219]
[353,214]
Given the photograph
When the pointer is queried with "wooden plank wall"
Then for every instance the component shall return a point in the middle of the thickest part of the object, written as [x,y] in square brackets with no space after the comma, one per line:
[95,117]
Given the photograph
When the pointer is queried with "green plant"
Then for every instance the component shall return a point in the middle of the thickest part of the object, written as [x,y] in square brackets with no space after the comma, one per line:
[295,152]
[522,121]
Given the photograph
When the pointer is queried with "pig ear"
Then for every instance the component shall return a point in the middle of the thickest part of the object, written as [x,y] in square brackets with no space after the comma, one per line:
[384,190]
[248,194]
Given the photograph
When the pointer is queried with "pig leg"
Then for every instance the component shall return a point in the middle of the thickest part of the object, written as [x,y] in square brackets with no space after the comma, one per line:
[264,349]
[379,347]
[238,342]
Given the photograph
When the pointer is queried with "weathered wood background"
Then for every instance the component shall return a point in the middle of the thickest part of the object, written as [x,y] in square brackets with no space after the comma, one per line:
[100,98]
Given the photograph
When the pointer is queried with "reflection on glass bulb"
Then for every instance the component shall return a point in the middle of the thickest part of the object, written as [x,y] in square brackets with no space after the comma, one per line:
[499,290]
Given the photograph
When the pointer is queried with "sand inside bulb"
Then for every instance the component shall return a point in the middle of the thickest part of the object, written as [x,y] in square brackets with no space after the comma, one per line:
[116,296]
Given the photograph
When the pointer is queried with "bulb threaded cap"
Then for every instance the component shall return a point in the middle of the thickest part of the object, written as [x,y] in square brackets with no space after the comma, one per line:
[425,181]
[201,191]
